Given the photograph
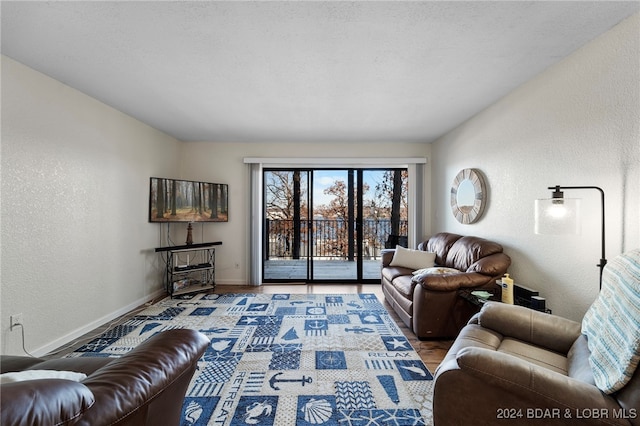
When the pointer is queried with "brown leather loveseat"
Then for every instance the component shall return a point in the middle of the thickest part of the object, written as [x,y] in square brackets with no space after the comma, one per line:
[428,302]
[146,386]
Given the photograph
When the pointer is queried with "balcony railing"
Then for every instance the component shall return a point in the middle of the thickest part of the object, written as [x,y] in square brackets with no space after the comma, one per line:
[329,238]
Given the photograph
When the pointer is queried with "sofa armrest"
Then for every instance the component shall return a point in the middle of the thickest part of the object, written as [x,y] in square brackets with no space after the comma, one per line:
[387,256]
[43,402]
[10,363]
[494,265]
[125,386]
[528,381]
[549,331]
[451,282]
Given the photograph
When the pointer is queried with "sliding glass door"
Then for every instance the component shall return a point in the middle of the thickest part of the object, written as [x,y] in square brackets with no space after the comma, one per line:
[329,225]
[286,230]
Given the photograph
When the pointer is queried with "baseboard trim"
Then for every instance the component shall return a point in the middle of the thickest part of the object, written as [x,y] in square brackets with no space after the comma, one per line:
[79,332]
[232,282]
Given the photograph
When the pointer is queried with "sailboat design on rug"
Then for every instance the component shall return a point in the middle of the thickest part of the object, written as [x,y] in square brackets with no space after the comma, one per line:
[291,334]
[287,359]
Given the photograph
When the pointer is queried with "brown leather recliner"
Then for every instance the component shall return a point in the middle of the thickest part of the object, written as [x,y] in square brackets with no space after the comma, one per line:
[429,304]
[514,365]
[146,386]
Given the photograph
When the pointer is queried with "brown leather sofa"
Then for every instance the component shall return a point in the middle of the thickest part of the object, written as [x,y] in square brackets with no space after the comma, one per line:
[514,365]
[429,304]
[146,386]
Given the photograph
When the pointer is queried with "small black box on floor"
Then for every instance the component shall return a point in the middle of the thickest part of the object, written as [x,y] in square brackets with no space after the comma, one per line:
[522,295]
[539,303]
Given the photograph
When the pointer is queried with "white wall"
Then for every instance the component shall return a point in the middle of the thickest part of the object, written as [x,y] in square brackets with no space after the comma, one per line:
[576,124]
[76,245]
[223,163]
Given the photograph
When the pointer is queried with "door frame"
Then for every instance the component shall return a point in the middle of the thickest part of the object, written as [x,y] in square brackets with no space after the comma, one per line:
[417,177]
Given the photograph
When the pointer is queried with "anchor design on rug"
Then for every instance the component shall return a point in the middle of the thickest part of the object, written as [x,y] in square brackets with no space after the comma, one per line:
[358,330]
[316,325]
[274,379]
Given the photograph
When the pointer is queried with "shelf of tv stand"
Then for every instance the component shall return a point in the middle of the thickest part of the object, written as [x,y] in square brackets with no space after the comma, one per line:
[188,246]
[189,268]
[192,289]
[202,273]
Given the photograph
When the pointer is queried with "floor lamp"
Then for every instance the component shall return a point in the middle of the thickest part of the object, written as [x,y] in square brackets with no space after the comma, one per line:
[559,215]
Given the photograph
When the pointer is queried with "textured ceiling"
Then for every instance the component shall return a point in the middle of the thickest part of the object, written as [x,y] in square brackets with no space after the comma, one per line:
[300,71]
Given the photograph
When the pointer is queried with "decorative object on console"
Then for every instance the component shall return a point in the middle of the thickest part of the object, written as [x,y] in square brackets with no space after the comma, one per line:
[189,240]
[507,289]
[173,200]
[559,215]
[468,196]
[481,294]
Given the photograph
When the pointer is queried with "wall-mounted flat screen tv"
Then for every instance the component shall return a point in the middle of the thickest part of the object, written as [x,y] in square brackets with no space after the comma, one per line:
[173,200]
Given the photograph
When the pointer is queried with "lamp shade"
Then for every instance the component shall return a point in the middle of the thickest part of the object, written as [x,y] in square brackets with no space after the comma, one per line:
[557,216]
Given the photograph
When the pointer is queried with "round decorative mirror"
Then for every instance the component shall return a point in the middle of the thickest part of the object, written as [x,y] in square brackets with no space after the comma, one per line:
[468,196]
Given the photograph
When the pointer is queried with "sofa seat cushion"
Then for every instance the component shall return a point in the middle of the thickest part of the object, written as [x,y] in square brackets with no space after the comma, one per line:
[450,282]
[390,273]
[474,335]
[437,270]
[534,354]
[404,285]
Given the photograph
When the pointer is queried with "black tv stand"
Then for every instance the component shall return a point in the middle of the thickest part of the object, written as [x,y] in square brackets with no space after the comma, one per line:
[190,267]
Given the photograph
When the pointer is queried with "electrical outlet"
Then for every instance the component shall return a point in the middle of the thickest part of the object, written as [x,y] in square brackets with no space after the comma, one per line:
[15,320]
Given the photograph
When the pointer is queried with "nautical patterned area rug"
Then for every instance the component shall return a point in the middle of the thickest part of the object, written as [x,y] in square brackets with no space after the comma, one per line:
[289,359]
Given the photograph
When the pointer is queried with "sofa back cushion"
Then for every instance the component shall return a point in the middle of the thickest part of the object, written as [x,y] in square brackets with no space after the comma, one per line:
[467,251]
[440,244]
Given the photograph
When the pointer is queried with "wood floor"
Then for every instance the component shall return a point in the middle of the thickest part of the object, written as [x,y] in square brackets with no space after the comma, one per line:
[431,352]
